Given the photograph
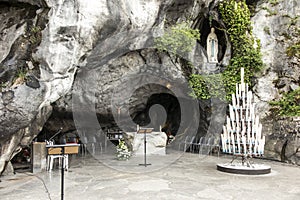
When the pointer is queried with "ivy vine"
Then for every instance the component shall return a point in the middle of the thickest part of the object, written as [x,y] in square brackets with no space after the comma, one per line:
[245,48]
[245,53]
[207,86]
[181,38]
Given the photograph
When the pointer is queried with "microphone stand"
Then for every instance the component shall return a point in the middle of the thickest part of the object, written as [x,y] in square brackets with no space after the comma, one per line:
[58,132]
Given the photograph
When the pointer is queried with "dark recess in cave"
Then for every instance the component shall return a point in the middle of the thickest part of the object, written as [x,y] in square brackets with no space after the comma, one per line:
[63,119]
[172,108]
[60,120]
[17,4]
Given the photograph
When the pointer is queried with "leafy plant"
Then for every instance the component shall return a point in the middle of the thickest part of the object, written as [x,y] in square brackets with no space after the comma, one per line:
[270,12]
[20,76]
[179,40]
[123,152]
[207,86]
[267,30]
[21,73]
[34,34]
[294,50]
[245,49]
[2,86]
[274,2]
[35,29]
[288,105]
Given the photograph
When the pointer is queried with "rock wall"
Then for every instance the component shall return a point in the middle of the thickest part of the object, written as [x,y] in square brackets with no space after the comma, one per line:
[55,48]
[284,142]
[49,47]
[276,24]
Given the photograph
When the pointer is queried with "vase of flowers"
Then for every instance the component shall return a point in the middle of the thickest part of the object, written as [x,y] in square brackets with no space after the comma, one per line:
[123,152]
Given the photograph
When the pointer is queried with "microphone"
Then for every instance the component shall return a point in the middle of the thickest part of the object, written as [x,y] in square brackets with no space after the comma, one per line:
[56,133]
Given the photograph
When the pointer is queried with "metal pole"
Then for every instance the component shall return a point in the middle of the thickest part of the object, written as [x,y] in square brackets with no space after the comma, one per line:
[62,172]
[145,149]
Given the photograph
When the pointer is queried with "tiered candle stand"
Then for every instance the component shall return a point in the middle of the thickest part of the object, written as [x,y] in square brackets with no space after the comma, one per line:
[242,135]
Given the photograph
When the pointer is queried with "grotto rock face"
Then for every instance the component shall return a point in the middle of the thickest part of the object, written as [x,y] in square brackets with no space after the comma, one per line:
[39,3]
[283,143]
[276,25]
[20,112]
[51,50]
[42,51]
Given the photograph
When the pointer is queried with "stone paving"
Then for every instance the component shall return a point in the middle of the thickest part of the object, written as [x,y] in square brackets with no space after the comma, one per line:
[188,177]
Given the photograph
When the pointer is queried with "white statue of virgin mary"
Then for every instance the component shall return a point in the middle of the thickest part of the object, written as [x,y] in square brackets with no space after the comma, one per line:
[212,47]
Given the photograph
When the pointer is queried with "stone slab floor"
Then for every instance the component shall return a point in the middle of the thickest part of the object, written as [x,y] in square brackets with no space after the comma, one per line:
[188,177]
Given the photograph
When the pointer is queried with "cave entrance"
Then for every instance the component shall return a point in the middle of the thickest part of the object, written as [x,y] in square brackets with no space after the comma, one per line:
[172,109]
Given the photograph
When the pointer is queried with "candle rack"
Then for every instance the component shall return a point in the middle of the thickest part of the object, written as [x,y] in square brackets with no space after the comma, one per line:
[242,134]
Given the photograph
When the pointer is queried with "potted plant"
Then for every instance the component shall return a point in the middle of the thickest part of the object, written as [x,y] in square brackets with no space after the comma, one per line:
[123,153]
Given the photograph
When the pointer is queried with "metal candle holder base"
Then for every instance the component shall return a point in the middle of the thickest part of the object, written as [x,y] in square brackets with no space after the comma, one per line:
[256,169]
[246,167]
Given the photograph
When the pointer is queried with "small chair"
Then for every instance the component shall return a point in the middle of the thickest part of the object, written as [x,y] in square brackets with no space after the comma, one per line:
[189,143]
[199,143]
[95,145]
[214,145]
[51,159]
[185,141]
[83,145]
[206,142]
[90,143]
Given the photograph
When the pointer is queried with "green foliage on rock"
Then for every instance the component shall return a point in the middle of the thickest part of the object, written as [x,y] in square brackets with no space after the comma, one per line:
[270,12]
[35,35]
[267,30]
[294,50]
[273,2]
[207,86]
[2,86]
[245,53]
[288,105]
[21,73]
[245,49]
[179,40]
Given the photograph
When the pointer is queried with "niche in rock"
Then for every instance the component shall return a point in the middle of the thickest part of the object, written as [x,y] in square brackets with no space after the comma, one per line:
[152,115]
[205,28]
[61,123]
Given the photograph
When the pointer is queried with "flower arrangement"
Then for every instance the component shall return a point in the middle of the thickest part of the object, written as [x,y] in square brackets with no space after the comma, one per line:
[123,152]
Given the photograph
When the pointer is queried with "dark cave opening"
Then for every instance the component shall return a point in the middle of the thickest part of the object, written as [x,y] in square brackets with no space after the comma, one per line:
[59,123]
[173,113]
[61,120]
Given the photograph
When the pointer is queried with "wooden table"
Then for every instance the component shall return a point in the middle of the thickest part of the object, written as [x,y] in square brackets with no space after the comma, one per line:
[69,148]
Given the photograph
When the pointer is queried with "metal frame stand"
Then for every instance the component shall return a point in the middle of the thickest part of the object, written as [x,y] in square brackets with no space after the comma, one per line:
[62,172]
[145,131]
[62,147]
[245,160]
